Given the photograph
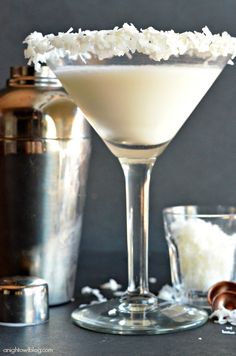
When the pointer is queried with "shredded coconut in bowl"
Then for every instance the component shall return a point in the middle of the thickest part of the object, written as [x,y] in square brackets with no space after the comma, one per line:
[157,45]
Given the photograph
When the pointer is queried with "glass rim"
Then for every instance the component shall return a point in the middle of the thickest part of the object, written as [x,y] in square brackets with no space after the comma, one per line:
[137,59]
[201,211]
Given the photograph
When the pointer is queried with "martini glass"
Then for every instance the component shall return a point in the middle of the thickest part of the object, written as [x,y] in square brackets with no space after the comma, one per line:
[137,105]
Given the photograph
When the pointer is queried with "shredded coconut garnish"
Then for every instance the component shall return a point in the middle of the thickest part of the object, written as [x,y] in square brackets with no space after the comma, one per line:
[112,285]
[152,280]
[157,45]
[202,243]
[224,316]
[95,292]
[112,312]
[172,294]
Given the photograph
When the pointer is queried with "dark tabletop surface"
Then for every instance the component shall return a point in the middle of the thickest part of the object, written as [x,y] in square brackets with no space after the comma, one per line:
[61,337]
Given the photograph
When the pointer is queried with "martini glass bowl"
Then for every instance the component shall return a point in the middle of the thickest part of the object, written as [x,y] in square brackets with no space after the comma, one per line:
[137,105]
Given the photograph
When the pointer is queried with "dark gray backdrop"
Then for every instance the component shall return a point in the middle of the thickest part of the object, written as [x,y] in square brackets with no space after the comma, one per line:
[199,166]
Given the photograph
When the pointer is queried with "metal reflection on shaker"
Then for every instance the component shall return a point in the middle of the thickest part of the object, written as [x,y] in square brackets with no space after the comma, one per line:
[44,153]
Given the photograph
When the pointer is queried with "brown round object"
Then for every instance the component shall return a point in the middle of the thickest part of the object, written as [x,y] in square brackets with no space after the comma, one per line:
[224,299]
[219,288]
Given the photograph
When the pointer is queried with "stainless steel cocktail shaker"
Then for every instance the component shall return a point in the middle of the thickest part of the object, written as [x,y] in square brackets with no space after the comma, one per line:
[44,154]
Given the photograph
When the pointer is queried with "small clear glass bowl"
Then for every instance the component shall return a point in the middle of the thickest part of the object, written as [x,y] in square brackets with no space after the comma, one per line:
[202,249]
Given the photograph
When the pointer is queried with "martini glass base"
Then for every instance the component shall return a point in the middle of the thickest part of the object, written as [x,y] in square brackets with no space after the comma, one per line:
[165,318]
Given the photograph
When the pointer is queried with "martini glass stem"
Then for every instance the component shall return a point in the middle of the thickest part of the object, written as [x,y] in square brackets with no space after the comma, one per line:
[137,181]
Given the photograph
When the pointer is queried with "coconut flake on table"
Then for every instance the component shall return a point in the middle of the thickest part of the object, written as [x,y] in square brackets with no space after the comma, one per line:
[157,45]
[152,280]
[111,284]
[95,292]
[172,294]
[224,316]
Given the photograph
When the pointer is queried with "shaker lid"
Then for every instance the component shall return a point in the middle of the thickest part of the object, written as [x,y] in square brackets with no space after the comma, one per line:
[16,72]
[23,301]
[27,75]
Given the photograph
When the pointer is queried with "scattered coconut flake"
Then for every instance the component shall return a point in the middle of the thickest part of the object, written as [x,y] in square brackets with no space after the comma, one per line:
[86,290]
[112,285]
[172,294]
[99,296]
[157,45]
[152,280]
[95,292]
[224,316]
[112,312]
[232,318]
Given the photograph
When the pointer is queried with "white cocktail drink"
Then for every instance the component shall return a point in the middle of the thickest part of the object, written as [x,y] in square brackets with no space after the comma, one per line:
[137,109]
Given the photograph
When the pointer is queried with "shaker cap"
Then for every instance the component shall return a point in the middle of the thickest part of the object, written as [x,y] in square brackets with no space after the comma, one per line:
[23,301]
[27,75]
